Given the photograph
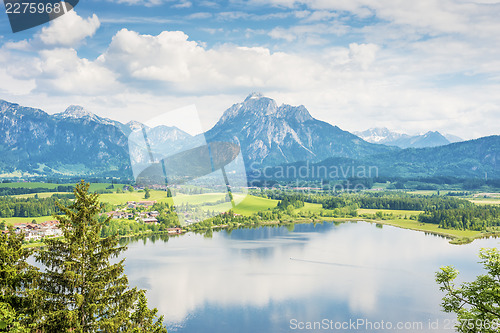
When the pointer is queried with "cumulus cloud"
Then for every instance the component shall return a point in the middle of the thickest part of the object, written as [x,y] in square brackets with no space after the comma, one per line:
[406,68]
[173,59]
[68,30]
[363,54]
[62,71]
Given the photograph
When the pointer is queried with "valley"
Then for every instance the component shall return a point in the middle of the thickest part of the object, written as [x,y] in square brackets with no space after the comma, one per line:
[263,207]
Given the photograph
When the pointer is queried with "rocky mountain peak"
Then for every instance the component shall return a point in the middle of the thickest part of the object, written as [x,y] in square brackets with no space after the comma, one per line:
[254,95]
[134,125]
[294,113]
[254,106]
[257,107]
[76,111]
[4,105]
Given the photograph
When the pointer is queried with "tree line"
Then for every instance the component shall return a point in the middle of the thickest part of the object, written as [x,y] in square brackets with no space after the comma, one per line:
[470,218]
[400,201]
[30,207]
[4,191]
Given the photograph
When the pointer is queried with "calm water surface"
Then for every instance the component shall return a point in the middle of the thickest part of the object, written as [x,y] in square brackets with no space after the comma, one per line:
[276,279]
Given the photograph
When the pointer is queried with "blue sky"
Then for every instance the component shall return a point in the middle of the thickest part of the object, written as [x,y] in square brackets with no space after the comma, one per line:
[409,66]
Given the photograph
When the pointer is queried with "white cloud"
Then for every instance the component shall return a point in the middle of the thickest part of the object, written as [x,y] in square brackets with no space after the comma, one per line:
[410,69]
[21,45]
[303,32]
[152,3]
[11,85]
[172,59]
[363,54]
[472,18]
[201,15]
[237,15]
[147,3]
[68,30]
[320,15]
[183,4]
[63,72]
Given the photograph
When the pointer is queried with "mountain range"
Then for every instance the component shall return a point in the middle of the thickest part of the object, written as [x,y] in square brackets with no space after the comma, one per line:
[385,136]
[79,143]
[70,143]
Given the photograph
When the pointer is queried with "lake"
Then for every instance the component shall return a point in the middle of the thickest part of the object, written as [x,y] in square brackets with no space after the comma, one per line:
[307,277]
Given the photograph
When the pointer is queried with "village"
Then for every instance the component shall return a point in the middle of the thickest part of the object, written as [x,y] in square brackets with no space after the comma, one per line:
[37,231]
[141,213]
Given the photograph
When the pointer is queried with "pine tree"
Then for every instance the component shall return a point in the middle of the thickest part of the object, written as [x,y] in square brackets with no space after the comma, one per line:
[82,289]
[17,278]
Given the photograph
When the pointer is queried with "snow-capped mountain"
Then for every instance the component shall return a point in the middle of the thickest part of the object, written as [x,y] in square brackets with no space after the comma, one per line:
[385,136]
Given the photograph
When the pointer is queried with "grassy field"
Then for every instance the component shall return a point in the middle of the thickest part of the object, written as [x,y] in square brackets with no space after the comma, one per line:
[485,201]
[389,211]
[15,220]
[40,195]
[93,186]
[380,186]
[30,185]
[310,207]
[198,199]
[433,228]
[252,204]
[248,206]
[122,198]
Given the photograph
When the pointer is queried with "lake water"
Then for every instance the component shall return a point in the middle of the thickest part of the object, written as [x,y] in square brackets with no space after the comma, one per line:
[346,277]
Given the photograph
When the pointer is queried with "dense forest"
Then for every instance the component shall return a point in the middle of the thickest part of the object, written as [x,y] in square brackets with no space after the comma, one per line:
[397,201]
[470,218]
[448,211]
[30,207]
[26,190]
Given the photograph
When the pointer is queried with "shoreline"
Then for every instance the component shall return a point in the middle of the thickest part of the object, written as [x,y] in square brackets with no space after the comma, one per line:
[454,239]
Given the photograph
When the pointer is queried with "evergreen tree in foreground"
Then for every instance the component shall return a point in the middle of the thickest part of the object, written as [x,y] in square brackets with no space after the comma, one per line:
[82,290]
[17,279]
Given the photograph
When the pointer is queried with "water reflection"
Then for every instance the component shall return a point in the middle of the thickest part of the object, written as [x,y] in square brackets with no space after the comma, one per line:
[256,280]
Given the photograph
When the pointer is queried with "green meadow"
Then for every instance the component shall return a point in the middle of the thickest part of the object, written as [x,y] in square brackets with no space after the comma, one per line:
[248,206]
[122,198]
[486,201]
[362,211]
[432,228]
[40,195]
[251,205]
[16,220]
[93,186]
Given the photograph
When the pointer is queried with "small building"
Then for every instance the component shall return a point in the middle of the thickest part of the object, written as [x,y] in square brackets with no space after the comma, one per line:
[174,231]
[154,213]
[146,203]
[150,220]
